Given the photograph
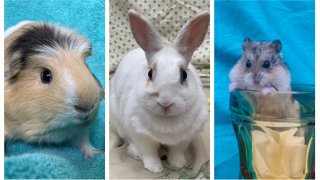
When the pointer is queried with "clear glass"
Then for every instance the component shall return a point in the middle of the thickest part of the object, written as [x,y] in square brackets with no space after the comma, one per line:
[275,133]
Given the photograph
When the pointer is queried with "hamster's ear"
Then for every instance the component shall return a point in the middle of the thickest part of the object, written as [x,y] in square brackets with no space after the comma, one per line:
[276,45]
[192,35]
[246,44]
[146,35]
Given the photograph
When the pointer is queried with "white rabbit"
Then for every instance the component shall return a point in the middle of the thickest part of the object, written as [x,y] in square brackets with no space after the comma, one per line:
[156,96]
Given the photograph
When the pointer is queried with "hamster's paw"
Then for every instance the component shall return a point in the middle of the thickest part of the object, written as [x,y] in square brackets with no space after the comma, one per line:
[268,91]
[153,164]
[177,160]
[132,151]
[233,86]
[88,150]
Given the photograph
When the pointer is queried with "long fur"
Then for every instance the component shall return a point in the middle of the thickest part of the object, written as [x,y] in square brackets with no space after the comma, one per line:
[45,113]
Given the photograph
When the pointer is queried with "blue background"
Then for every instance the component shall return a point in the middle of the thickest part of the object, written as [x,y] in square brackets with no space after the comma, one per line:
[33,161]
[290,21]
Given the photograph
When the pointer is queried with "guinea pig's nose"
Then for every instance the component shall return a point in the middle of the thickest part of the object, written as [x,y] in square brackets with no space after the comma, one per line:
[82,108]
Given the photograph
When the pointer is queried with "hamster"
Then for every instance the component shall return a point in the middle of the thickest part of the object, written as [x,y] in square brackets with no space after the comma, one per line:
[50,95]
[156,96]
[261,68]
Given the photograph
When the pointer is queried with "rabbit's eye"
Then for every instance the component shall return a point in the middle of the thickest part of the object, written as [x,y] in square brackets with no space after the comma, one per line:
[46,76]
[183,75]
[150,74]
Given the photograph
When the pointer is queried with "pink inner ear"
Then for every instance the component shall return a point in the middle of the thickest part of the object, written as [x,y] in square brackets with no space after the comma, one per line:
[193,31]
[145,34]
[196,33]
[139,28]
[192,35]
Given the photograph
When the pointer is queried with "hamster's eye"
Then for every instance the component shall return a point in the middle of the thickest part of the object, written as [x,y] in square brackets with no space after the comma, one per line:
[248,63]
[266,64]
[183,75]
[46,76]
[150,74]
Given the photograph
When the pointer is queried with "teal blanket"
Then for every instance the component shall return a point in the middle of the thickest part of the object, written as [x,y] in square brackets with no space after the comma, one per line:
[65,161]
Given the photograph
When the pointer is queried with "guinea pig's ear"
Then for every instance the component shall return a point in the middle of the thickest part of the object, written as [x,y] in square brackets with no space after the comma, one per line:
[146,35]
[246,44]
[12,58]
[88,51]
[192,35]
[12,64]
[276,45]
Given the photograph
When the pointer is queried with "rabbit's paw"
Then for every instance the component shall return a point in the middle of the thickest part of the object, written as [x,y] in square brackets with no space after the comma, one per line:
[153,165]
[132,151]
[177,160]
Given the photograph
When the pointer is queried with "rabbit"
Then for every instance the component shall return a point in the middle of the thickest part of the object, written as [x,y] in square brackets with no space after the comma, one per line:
[260,68]
[156,96]
[50,94]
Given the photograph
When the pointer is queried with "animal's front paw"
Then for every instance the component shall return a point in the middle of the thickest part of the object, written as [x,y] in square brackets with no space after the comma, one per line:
[268,91]
[132,151]
[88,150]
[233,86]
[177,160]
[153,164]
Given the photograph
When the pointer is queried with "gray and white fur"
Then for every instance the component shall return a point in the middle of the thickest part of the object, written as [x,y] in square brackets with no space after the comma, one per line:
[261,68]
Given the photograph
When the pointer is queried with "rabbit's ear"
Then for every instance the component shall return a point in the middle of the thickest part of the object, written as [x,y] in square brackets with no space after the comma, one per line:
[146,35]
[192,35]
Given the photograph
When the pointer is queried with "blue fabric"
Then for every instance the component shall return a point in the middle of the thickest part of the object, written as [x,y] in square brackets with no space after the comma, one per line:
[290,21]
[34,161]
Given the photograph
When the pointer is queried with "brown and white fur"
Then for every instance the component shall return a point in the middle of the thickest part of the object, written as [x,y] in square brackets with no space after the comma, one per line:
[50,94]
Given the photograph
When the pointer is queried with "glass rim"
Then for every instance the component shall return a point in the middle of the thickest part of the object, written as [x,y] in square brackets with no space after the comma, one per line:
[310,89]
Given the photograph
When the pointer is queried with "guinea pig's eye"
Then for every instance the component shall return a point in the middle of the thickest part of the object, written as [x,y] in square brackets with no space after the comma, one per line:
[248,63]
[150,74]
[183,75]
[266,64]
[46,76]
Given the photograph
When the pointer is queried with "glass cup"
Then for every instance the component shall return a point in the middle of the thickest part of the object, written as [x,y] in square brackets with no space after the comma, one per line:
[275,133]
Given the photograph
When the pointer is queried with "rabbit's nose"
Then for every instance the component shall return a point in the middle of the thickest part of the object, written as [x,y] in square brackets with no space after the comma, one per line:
[165,104]
[164,101]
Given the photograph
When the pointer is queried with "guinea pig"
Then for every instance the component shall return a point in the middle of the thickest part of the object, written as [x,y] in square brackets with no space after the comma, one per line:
[50,94]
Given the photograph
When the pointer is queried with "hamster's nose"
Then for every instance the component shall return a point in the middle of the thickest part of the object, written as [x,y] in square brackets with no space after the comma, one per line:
[83,108]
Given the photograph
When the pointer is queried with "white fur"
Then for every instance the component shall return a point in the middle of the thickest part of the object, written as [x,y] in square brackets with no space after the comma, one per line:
[69,86]
[16,27]
[137,116]
[49,51]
